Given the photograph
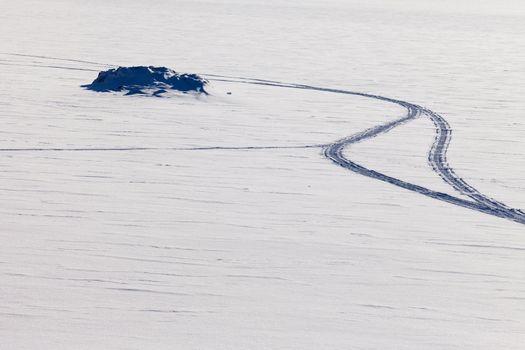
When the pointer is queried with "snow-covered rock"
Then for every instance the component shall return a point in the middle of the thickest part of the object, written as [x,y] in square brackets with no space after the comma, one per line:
[146,80]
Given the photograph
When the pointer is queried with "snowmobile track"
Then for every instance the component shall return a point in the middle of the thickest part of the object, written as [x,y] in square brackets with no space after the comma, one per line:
[334,151]
[436,157]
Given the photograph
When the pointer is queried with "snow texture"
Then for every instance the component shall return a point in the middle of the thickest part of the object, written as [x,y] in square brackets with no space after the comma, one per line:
[146,80]
[374,202]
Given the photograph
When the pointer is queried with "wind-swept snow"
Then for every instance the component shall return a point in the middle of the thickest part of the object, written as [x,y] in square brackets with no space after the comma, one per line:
[217,222]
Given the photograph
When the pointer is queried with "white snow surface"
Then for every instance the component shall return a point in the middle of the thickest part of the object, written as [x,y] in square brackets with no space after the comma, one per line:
[123,226]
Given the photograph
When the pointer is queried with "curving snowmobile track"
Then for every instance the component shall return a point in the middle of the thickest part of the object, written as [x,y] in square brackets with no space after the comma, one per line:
[334,151]
[436,157]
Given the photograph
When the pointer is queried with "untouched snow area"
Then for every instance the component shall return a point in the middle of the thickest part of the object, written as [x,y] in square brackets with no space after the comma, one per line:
[221,221]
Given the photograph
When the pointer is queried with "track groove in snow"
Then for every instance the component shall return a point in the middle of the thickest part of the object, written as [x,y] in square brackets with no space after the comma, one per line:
[437,155]
[334,151]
